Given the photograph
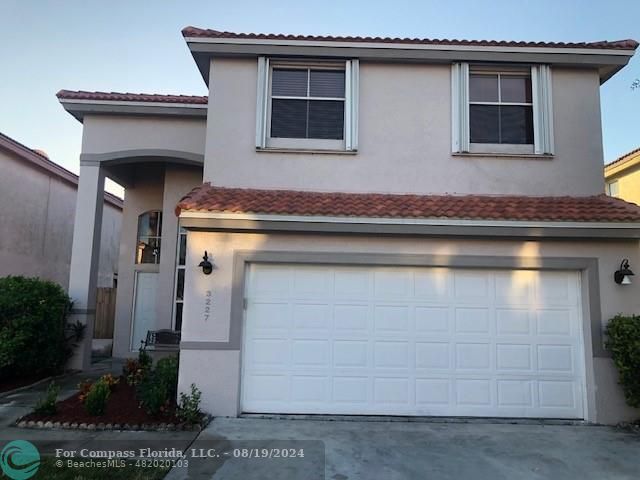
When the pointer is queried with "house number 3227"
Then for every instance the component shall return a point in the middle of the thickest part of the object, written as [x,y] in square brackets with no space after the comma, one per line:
[208,303]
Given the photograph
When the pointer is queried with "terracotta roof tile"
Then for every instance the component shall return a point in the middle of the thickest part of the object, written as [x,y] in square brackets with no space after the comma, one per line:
[131,97]
[600,208]
[195,32]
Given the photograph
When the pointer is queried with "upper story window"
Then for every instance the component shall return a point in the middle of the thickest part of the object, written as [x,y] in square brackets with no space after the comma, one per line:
[613,189]
[504,109]
[149,237]
[307,105]
[500,108]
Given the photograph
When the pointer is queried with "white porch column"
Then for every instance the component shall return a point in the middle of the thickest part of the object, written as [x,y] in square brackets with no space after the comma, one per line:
[85,256]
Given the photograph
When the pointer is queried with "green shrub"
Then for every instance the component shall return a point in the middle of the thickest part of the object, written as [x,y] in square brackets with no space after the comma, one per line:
[34,336]
[47,404]
[158,388]
[188,410]
[623,341]
[96,400]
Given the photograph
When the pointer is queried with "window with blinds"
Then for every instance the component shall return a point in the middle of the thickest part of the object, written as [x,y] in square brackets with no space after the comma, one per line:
[307,103]
[500,108]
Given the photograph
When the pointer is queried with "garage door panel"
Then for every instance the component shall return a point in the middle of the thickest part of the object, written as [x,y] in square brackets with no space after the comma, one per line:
[554,322]
[432,355]
[391,318]
[311,317]
[515,393]
[413,341]
[512,357]
[474,320]
[513,321]
[471,286]
[429,320]
[390,354]
[311,283]
[433,285]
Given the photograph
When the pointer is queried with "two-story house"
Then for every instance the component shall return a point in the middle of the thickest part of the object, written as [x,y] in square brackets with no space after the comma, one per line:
[394,226]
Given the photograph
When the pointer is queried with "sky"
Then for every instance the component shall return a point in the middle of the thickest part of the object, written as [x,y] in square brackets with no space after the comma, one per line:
[136,46]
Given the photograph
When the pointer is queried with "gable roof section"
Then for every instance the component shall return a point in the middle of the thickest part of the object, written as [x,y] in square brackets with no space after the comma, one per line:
[600,208]
[41,162]
[195,32]
[622,164]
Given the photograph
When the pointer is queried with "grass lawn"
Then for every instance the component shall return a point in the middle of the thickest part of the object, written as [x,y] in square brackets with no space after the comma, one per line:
[48,470]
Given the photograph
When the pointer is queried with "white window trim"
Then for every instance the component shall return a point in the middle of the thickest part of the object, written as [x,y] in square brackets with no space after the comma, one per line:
[179,267]
[613,188]
[542,114]
[263,109]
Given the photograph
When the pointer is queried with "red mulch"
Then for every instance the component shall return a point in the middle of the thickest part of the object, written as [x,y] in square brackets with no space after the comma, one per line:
[13,383]
[122,407]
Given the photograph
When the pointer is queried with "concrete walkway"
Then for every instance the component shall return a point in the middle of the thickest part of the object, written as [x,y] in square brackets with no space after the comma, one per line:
[408,450]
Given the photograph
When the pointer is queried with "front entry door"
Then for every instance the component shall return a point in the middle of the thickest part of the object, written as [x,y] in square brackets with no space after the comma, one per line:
[144,309]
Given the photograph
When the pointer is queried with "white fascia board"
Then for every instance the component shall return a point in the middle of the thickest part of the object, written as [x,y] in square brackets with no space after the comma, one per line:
[406,221]
[119,103]
[410,46]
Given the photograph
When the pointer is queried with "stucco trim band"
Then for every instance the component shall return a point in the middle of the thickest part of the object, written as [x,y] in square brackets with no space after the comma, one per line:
[408,227]
[142,155]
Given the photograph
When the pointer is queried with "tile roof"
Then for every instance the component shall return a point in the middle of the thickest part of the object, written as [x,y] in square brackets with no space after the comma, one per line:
[600,208]
[131,97]
[195,32]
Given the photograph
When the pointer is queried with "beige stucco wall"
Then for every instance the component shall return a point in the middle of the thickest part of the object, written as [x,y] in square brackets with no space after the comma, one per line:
[37,212]
[110,133]
[156,187]
[629,185]
[404,139]
[221,385]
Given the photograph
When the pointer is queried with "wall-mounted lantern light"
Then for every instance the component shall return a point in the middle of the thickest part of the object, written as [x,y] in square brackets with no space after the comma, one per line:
[623,276]
[207,266]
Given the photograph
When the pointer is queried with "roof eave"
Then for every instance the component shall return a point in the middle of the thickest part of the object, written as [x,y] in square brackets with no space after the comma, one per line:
[79,108]
[608,61]
[221,221]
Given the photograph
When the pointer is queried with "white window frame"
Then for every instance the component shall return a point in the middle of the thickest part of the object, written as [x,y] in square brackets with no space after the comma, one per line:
[181,232]
[349,142]
[541,101]
[613,189]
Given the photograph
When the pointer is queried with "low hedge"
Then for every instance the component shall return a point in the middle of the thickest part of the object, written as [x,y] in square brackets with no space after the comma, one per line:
[623,340]
[34,335]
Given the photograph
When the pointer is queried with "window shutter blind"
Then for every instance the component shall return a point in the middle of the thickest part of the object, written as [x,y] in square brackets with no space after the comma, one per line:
[262,102]
[460,107]
[352,81]
[542,109]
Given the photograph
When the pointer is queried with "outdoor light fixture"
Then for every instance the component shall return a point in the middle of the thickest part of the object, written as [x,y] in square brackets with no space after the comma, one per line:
[623,276]
[207,266]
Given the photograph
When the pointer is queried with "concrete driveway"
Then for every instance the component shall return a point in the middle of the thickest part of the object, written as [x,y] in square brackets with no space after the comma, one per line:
[350,450]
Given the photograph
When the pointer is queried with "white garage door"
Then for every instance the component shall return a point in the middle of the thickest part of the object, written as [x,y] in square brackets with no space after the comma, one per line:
[412,341]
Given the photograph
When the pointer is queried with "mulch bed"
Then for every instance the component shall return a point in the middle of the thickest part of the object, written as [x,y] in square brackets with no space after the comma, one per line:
[13,383]
[122,408]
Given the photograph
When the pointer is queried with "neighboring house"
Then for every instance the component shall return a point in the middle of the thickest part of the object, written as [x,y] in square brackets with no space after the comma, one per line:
[396,226]
[622,177]
[37,207]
